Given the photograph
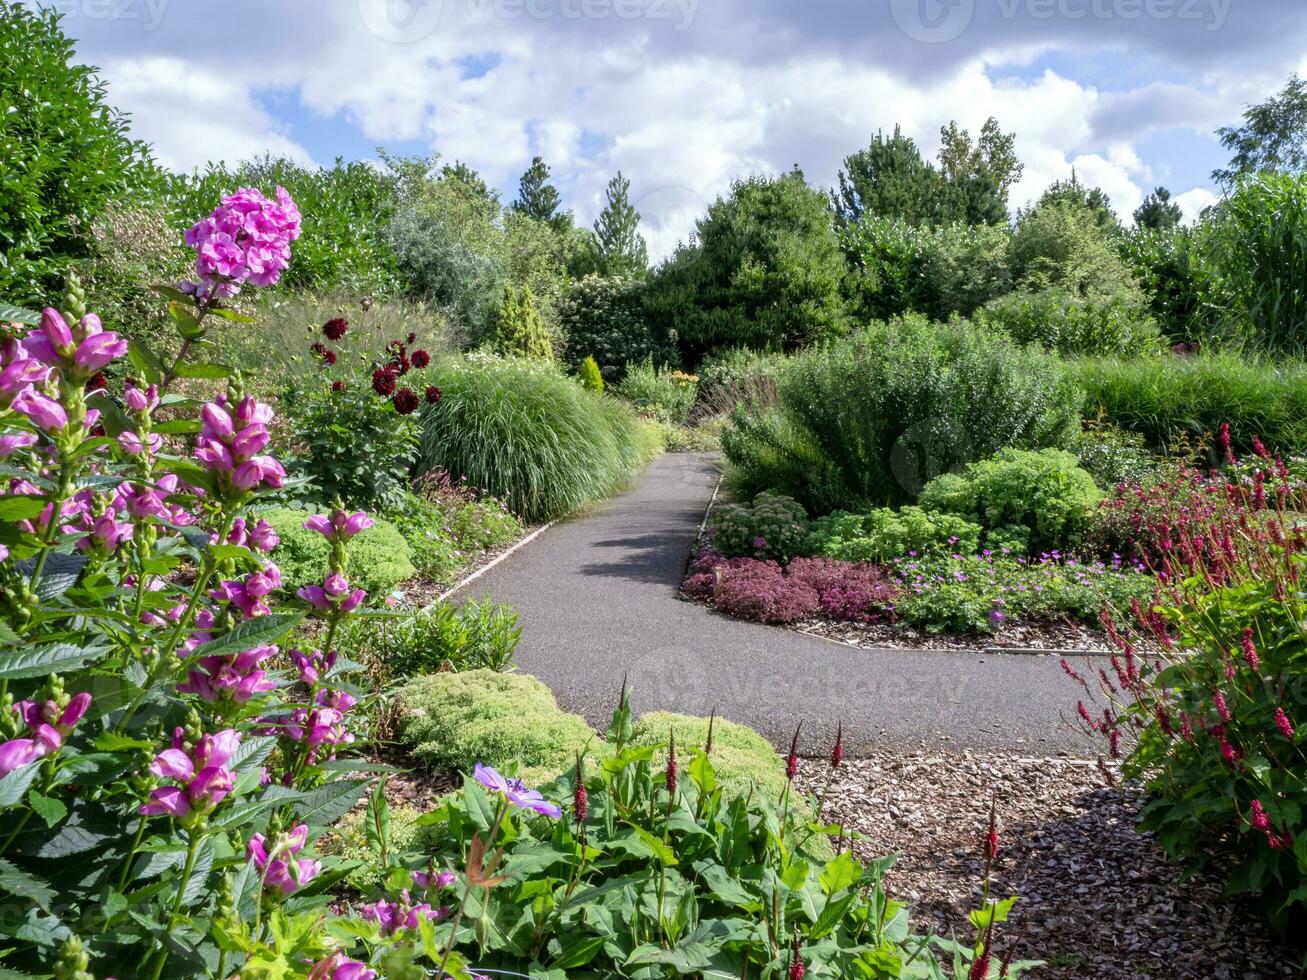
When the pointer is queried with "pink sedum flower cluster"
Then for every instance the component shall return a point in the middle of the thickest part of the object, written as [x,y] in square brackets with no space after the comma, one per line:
[246,239]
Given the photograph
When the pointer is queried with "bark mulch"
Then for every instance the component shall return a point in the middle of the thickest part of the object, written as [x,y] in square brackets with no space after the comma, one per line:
[1097,898]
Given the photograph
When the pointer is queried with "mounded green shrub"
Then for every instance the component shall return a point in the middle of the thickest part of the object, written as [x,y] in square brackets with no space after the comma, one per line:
[378,557]
[519,330]
[772,526]
[1057,321]
[1181,399]
[529,435]
[867,421]
[1046,492]
[480,634]
[740,755]
[508,721]
[882,534]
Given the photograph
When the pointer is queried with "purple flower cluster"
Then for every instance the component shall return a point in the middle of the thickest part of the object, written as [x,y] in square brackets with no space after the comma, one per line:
[403,914]
[47,725]
[288,873]
[230,442]
[201,773]
[338,966]
[245,239]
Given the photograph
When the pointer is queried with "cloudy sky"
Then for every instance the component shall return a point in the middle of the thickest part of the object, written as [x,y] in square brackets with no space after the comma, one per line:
[685,95]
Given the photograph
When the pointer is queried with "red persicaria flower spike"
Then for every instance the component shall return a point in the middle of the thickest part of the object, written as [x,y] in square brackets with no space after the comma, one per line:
[712,720]
[1283,724]
[1226,449]
[1106,772]
[837,753]
[792,761]
[335,328]
[406,401]
[383,382]
[1249,650]
[671,763]
[991,835]
[980,965]
[580,801]
[1258,818]
[1222,709]
[1260,449]
[797,971]
[419,358]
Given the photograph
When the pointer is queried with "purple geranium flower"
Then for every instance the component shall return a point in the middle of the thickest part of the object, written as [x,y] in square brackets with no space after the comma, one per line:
[514,791]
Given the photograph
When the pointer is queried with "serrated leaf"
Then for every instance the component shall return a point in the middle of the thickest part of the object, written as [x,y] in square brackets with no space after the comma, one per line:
[52,658]
[20,507]
[251,633]
[47,808]
[327,804]
[14,784]
[18,882]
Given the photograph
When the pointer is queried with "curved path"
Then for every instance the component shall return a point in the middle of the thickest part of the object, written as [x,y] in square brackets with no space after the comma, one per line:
[598,599]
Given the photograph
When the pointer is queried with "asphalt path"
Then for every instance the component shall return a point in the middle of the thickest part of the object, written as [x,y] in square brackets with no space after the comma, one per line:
[598,600]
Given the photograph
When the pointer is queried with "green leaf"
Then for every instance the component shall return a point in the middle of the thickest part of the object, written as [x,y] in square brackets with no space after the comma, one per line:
[52,658]
[327,804]
[7,636]
[231,315]
[145,362]
[840,873]
[47,808]
[114,742]
[251,633]
[13,785]
[19,315]
[24,885]
[20,507]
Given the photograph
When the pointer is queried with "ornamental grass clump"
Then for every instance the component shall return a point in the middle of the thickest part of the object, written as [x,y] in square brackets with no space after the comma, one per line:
[1198,701]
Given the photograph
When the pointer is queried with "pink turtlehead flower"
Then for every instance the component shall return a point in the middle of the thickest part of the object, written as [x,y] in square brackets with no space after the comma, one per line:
[433,879]
[282,873]
[334,592]
[202,774]
[340,525]
[312,666]
[45,412]
[338,966]
[141,401]
[236,677]
[98,350]
[11,443]
[47,725]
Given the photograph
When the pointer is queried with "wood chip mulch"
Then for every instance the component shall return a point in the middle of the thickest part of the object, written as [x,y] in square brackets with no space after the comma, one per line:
[1097,898]
[1053,637]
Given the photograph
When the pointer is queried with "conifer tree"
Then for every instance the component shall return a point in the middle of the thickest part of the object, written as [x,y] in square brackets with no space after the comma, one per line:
[519,329]
[539,199]
[619,247]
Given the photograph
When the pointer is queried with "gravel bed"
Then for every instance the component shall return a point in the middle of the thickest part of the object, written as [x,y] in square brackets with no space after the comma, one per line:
[1097,899]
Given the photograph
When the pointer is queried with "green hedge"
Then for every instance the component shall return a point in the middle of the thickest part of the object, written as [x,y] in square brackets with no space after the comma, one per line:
[1174,399]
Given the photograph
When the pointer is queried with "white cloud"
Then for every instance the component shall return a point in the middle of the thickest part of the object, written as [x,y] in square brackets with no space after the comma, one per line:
[191,116]
[1192,202]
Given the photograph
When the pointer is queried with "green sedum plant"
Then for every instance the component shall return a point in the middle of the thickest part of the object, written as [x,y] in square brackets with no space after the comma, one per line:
[1045,492]
[883,534]
[379,556]
[771,526]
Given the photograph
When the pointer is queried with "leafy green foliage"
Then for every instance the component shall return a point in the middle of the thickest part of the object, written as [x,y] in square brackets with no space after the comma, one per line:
[743,760]
[1176,401]
[539,199]
[591,378]
[868,421]
[733,375]
[617,248]
[64,153]
[666,394]
[1113,456]
[1181,277]
[529,435]
[668,877]
[478,635]
[450,528]
[979,594]
[967,266]
[355,446]
[604,318]
[772,526]
[454,720]
[378,558]
[1065,324]
[1158,212]
[1258,241]
[763,270]
[882,534]
[1046,492]
[519,331]
[1272,139]
[1063,242]
[889,270]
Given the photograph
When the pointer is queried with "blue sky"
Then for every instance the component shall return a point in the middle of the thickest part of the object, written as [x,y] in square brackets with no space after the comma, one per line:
[685,95]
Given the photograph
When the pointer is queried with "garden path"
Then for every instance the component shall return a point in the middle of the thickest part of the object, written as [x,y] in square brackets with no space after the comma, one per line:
[598,599]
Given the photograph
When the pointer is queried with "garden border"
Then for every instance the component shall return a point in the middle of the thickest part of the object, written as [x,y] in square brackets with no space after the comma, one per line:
[468,580]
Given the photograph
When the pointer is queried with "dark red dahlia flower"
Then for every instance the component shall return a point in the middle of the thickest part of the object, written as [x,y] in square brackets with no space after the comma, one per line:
[433,395]
[383,382]
[335,328]
[406,401]
[419,358]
